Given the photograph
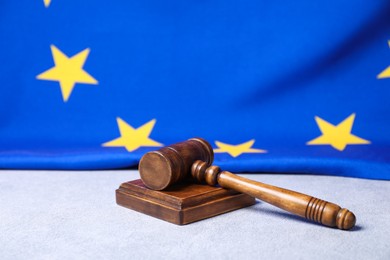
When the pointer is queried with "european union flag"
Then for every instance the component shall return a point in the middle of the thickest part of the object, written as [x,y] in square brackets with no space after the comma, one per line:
[292,87]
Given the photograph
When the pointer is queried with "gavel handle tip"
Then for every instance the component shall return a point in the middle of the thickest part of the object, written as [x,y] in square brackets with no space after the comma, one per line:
[345,219]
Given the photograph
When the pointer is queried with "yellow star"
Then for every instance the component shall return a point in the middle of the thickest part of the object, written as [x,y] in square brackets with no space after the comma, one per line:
[236,150]
[131,138]
[338,136]
[386,72]
[47,3]
[68,71]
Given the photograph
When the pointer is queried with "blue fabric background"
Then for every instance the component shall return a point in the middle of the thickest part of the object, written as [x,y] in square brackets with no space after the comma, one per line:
[226,71]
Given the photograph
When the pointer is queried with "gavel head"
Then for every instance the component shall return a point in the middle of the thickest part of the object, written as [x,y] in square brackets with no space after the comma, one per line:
[171,164]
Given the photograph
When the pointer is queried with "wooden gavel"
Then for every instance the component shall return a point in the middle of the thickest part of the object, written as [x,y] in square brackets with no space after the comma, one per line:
[174,163]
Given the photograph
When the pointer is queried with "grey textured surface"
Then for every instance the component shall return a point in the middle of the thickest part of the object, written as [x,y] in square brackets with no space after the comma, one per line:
[73,215]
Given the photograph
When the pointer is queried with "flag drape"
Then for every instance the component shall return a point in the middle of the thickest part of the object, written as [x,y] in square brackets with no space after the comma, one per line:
[299,87]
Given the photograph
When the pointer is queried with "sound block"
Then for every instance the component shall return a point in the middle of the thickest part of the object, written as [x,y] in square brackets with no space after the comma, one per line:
[180,204]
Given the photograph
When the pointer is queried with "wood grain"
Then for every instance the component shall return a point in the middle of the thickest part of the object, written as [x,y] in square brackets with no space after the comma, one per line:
[323,212]
[181,204]
[176,163]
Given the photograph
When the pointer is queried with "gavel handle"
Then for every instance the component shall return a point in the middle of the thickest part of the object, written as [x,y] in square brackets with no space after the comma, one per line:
[311,208]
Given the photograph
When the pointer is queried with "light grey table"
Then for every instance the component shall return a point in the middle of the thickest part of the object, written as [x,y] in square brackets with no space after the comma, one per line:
[73,215]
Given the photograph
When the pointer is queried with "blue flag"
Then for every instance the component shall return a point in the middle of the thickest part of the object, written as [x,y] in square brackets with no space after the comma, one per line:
[294,87]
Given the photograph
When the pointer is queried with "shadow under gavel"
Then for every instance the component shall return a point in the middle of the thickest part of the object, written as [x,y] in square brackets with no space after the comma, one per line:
[171,164]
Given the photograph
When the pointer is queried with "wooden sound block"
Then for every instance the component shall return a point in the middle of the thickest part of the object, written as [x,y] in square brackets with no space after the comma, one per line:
[181,204]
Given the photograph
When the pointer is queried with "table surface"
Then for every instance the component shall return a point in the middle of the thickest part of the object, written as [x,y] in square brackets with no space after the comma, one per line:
[73,215]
